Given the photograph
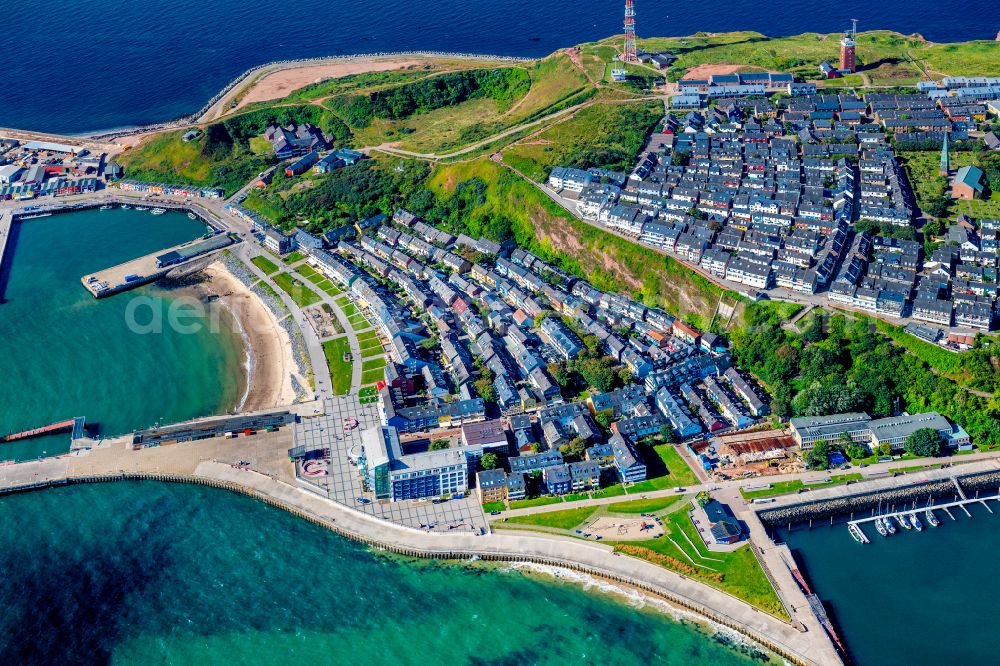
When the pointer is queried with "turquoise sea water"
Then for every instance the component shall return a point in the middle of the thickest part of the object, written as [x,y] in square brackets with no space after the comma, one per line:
[67,354]
[142,573]
[914,598]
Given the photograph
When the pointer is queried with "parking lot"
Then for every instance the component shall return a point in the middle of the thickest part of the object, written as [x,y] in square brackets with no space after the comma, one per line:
[342,483]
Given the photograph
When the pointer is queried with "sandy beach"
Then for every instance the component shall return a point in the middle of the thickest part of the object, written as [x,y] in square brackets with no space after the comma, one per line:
[271,363]
[279,83]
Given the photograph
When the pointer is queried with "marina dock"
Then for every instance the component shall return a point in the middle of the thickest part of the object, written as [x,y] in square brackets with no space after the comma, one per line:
[854,526]
[152,267]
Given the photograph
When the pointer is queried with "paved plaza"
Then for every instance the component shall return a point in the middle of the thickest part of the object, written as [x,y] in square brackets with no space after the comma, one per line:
[342,483]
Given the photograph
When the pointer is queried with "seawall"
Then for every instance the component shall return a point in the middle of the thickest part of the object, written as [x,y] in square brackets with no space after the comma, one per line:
[797,647]
[863,500]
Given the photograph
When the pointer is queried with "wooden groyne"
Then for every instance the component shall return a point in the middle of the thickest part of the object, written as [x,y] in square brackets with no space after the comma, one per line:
[443,550]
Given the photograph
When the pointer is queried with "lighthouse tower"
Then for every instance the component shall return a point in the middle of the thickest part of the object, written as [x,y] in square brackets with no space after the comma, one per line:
[849,48]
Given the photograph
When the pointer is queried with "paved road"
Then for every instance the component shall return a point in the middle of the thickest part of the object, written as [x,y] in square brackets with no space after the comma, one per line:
[731,489]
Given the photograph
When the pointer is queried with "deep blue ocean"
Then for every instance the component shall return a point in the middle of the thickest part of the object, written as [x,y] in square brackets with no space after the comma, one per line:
[84,65]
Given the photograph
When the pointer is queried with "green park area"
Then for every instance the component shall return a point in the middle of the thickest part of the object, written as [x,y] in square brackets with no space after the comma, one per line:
[265,264]
[340,370]
[298,291]
[680,549]
[373,370]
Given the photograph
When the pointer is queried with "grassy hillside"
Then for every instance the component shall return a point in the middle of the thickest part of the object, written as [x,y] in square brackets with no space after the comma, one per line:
[608,135]
[604,259]
[887,58]
[464,111]
[226,154]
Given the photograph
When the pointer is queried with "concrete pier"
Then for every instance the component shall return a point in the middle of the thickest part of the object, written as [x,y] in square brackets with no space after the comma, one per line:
[6,222]
[271,480]
[151,267]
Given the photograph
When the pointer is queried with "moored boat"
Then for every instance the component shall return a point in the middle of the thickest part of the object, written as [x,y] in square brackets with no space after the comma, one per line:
[904,522]
[917,525]
[158,211]
[932,520]
[880,526]
[889,525]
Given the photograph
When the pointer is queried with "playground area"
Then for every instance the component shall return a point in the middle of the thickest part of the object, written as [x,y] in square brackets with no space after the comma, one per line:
[623,528]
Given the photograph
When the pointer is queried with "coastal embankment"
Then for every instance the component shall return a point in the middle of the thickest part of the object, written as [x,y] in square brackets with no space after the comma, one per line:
[196,462]
[221,102]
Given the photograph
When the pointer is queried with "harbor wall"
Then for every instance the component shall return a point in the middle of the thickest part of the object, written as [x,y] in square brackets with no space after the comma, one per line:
[463,554]
[864,502]
[96,202]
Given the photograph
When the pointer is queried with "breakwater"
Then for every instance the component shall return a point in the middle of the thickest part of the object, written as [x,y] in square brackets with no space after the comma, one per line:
[199,115]
[779,637]
[891,498]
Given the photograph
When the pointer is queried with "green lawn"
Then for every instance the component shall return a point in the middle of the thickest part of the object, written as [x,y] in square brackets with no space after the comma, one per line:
[372,376]
[610,491]
[371,350]
[490,506]
[736,572]
[667,469]
[349,309]
[373,364]
[563,520]
[300,293]
[340,371]
[537,501]
[359,325]
[293,257]
[785,487]
[644,505]
[309,272]
[332,290]
[265,264]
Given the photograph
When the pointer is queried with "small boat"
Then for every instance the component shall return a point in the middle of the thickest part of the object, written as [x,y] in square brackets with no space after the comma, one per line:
[856,533]
[932,520]
[904,522]
[192,216]
[158,211]
[880,526]
[917,525]
[107,207]
[889,525]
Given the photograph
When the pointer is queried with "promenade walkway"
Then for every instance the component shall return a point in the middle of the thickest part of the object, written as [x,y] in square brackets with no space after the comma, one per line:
[199,462]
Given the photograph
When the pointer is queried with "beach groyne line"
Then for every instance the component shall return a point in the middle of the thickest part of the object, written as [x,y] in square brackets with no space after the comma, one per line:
[200,115]
[464,553]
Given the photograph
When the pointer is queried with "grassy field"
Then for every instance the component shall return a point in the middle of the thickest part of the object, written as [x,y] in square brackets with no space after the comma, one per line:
[785,487]
[371,349]
[667,470]
[922,170]
[373,364]
[652,505]
[300,293]
[294,257]
[607,135]
[372,376]
[340,371]
[683,551]
[887,58]
[563,520]
[554,82]
[493,506]
[536,501]
[607,261]
[265,264]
